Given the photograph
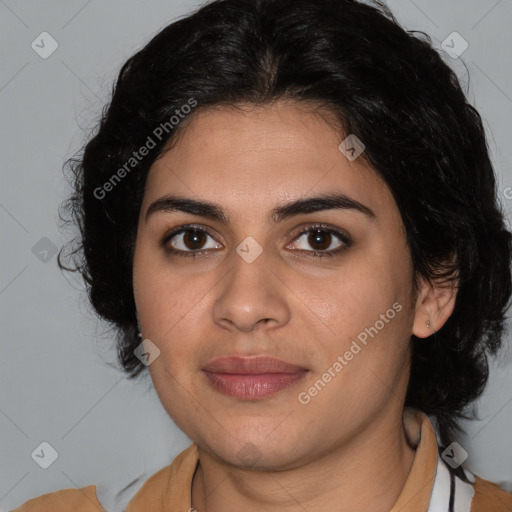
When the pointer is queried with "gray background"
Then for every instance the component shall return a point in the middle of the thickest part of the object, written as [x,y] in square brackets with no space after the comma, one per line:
[56,384]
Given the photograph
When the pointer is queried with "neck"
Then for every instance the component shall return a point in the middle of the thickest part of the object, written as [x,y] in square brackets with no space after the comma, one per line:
[366,474]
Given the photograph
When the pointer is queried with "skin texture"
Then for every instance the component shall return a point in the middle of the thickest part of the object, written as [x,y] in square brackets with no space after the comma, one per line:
[287,304]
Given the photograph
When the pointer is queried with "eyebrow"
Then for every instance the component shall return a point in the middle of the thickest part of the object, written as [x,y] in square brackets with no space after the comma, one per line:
[173,203]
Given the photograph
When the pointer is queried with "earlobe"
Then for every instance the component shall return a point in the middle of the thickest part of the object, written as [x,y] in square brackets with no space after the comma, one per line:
[434,305]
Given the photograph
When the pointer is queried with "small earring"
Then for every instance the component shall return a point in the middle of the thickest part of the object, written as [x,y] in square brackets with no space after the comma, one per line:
[428,325]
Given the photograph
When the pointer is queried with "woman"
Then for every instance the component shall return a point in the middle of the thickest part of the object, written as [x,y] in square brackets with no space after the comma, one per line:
[289,213]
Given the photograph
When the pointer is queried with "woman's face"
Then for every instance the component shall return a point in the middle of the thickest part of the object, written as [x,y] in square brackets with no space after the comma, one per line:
[341,321]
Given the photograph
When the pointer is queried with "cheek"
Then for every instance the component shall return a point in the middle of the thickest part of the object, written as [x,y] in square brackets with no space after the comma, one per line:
[358,294]
[370,319]
[168,306]
[363,369]
[162,296]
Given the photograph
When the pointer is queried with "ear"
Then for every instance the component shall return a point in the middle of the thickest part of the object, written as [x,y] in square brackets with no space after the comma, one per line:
[434,303]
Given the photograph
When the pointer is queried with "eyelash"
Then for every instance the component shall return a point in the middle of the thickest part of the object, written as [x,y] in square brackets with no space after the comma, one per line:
[315,227]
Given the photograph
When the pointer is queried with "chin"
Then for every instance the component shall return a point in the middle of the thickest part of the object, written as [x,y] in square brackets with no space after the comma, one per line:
[258,457]
[253,448]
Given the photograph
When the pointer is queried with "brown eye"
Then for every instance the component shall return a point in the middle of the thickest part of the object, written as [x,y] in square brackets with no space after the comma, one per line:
[186,241]
[194,239]
[319,239]
[323,241]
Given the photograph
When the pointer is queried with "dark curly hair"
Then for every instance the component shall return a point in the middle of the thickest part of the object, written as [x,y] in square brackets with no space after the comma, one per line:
[386,85]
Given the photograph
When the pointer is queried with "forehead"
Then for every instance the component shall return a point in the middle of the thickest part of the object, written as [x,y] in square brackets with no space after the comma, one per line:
[259,156]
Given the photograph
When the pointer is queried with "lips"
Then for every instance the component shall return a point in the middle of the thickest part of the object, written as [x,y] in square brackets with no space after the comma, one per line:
[253,365]
[251,378]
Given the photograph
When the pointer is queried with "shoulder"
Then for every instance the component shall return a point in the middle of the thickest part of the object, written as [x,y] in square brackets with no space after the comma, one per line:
[171,484]
[489,497]
[78,500]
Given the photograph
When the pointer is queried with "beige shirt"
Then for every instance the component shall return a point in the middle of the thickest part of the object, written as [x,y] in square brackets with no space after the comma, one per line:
[429,486]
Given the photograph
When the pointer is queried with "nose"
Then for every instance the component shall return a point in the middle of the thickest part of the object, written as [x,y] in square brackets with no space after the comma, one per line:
[251,294]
